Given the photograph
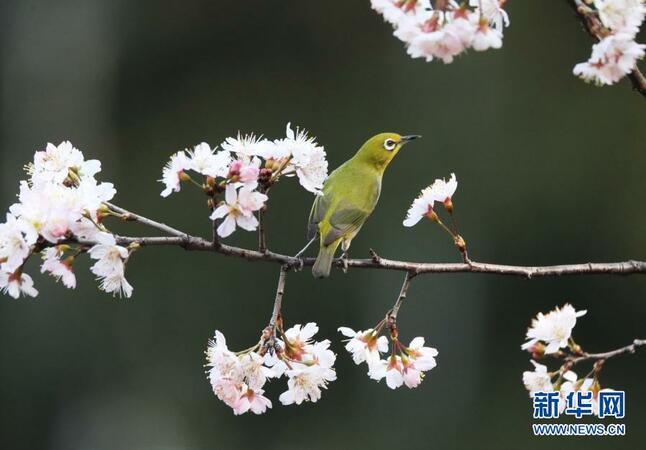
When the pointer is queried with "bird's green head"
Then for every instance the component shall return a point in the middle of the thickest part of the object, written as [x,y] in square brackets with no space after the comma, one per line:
[380,149]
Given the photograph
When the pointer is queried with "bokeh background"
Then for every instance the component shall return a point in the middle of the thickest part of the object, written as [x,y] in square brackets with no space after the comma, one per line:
[551,170]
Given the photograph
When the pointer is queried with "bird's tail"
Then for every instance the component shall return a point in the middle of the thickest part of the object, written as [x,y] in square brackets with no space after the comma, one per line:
[323,263]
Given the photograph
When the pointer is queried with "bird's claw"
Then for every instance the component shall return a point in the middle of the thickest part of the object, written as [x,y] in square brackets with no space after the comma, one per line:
[344,262]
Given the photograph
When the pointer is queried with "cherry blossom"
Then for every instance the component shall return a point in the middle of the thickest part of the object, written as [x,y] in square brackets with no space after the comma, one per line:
[440,191]
[173,172]
[53,165]
[110,268]
[238,209]
[612,58]
[553,329]
[59,269]
[207,162]
[365,346]
[446,33]
[407,368]
[538,380]
[307,158]
[17,284]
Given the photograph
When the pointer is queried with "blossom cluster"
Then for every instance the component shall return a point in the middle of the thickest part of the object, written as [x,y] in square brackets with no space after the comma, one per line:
[59,205]
[551,335]
[238,378]
[406,364]
[244,168]
[446,30]
[617,53]
[440,191]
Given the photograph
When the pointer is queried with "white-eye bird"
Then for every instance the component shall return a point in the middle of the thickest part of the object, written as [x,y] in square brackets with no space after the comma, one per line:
[349,196]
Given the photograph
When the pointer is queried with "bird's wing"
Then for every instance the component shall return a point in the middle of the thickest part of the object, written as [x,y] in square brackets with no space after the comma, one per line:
[344,221]
[317,214]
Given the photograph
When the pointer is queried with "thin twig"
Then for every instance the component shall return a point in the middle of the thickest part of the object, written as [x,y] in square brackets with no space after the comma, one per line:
[280,291]
[130,216]
[392,315]
[199,244]
[595,28]
[262,239]
[189,242]
[215,239]
[607,355]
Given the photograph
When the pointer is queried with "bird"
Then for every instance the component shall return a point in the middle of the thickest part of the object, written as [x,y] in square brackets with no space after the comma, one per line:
[349,197]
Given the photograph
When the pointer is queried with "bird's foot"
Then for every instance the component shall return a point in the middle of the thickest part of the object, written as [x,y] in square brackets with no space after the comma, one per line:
[344,262]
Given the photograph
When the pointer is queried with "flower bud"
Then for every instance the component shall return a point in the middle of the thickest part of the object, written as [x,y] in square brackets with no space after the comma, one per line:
[265,175]
[448,205]
[183,176]
[460,243]
[431,214]
[69,261]
[409,5]
[210,181]
[234,168]
[537,350]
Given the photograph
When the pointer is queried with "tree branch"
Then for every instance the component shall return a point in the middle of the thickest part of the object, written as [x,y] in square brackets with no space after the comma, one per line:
[195,243]
[392,315]
[132,217]
[278,302]
[606,355]
[262,239]
[189,242]
[595,28]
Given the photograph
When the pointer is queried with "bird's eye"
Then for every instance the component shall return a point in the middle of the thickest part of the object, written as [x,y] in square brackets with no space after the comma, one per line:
[389,144]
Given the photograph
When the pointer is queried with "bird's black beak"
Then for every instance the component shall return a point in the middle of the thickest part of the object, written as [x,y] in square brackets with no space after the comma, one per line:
[408,138]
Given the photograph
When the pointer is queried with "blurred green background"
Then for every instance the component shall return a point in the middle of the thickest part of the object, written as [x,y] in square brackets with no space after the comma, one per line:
[551,170]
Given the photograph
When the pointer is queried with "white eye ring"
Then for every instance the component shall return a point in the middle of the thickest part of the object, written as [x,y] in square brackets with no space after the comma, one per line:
[389,144]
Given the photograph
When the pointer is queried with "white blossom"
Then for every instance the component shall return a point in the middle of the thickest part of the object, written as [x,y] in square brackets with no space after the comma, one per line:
[246,172]
[238,209]
[486,37]
[207,162]
[252,400]
[405,369]
[442,43]
[53,165]
[554,328]
[307,158]
[365,346]
[17,284]
[538,380]
[492,11]
[440,191]
[391,369]
[612,58]
[246,146]
[421,206]
[623,16]
[172,172]
[110,268]
[61,270]
[16,239]
[310,365]
[305,384]
[444,34]
[237,380]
